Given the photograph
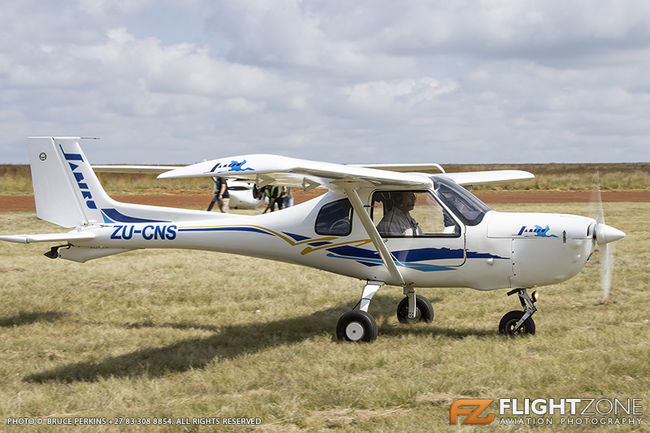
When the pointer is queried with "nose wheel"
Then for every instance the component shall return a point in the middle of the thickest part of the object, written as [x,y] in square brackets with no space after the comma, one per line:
[519,322]
[508,324]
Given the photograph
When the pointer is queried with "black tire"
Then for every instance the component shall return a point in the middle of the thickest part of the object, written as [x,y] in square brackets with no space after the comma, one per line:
[510,319]
[423,310]
[357,326]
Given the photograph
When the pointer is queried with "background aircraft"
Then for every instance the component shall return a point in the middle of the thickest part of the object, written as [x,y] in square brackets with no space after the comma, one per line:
[241,193]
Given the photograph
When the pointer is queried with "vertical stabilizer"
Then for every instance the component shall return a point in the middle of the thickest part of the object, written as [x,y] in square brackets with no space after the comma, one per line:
[66,190]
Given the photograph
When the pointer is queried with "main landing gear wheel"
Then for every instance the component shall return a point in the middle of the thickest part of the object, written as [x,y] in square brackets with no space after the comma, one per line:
[509,321]
[423,310]
[357,326]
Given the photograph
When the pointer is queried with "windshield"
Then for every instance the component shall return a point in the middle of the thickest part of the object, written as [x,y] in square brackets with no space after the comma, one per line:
[462,202]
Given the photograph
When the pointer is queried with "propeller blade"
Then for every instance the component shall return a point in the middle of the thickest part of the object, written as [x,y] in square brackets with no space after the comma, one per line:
[597,201]
[603,235]
[606,270]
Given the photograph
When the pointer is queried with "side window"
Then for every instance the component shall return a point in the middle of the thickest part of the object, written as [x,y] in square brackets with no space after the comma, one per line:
[411,213]
[335,218]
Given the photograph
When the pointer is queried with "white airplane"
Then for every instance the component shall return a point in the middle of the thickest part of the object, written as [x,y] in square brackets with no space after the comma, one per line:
[241,193]
[375,223]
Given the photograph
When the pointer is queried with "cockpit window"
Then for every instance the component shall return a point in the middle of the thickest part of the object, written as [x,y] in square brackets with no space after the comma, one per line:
[463,203]
[399,214]
[335,218]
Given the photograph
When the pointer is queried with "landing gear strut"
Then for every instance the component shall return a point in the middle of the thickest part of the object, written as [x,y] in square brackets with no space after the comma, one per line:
[358,325]
[422,312]
[520,322]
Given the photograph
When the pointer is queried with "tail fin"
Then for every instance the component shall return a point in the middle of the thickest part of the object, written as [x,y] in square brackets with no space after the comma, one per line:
[66,190]
[68,193]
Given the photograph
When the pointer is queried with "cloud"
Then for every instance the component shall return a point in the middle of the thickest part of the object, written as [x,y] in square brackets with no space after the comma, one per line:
[375,81]
[401,95]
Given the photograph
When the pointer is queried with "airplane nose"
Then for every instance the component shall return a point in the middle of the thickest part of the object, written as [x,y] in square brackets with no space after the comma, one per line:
[605,234]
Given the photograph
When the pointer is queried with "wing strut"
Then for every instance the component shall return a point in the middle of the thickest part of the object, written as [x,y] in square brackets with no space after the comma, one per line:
[386,256]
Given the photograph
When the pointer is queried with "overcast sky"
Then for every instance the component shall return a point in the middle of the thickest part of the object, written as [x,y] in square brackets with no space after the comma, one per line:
[335,80]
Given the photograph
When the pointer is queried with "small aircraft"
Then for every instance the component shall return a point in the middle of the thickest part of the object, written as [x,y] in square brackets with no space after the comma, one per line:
[383,224]
[241,193]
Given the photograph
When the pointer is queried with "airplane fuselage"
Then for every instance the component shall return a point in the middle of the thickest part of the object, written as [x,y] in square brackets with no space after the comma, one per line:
[384,227]
[504,250]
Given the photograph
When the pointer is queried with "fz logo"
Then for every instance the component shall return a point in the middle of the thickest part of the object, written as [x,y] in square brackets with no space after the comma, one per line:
[472,409]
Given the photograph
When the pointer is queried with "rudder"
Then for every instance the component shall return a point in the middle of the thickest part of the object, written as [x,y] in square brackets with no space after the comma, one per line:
[66,190]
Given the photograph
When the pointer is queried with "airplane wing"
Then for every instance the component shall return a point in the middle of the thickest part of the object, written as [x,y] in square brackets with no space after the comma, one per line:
[310,174]
[280,170]
[479,177]
[421,168]
[157,169]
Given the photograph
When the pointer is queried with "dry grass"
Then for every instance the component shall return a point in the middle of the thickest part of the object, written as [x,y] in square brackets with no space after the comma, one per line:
[16,180]
[176,334]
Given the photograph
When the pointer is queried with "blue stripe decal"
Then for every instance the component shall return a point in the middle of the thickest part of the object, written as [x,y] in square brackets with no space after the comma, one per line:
[477,255]
[71,156]
[107,220]
[416,255]
[407,258]
[296,237]
[417,266]
[227,229]
[115,215]
[318,244]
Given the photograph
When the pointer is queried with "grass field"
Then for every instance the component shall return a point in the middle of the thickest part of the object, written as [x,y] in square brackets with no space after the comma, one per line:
[180,334]
[16,180]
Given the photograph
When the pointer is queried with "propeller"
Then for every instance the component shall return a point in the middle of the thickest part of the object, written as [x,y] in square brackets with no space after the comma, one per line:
[604,235]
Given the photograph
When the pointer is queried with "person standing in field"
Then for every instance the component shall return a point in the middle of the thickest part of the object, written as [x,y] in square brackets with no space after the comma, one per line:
[274,194]
[220,194]
[287,198]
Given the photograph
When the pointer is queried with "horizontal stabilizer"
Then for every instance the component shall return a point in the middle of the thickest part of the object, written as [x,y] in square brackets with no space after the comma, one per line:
[478,177]
[48,237]
[134,169]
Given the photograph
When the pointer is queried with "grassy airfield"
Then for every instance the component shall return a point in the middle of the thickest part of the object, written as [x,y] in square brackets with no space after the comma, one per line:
[15,179]
[183,334]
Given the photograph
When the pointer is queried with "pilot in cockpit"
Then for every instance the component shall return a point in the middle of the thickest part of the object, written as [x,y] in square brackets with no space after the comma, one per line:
[397,220]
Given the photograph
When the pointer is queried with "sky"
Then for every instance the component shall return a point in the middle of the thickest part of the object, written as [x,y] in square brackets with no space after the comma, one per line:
[364,81]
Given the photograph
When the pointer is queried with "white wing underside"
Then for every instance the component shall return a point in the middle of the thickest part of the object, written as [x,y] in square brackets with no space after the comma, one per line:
[279,170]
[157,169]
[493,176]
